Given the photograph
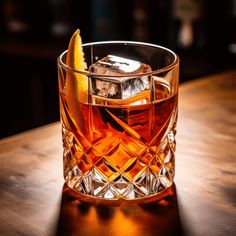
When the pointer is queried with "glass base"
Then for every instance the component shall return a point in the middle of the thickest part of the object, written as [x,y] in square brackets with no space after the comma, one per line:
[168,192]
[146,185]
[138,179]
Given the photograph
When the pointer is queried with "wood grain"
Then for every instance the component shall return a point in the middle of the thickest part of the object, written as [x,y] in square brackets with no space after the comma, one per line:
[34,200]
[206,155]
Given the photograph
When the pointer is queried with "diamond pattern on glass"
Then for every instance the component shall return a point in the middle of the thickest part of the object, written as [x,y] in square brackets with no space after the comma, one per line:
[104,167]
[84,163]
[98,183]
[155,165]
[120,172]
[105,147]
[121,184]
[147,155]
[141,184]
[134,170]
[75,177]
[120,156]
[165,177]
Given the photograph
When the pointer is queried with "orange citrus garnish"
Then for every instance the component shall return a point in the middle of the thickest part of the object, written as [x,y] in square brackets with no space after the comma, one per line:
[76,83]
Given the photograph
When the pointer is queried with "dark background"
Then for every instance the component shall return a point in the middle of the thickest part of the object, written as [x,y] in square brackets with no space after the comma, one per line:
[34,33]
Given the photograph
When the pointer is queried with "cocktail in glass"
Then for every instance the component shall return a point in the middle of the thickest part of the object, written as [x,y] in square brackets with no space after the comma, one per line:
[119,120]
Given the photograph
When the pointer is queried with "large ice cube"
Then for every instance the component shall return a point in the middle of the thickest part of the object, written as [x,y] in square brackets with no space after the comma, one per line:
[119,87]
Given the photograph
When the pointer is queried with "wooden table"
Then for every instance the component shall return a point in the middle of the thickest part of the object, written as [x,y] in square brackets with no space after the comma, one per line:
[33,200]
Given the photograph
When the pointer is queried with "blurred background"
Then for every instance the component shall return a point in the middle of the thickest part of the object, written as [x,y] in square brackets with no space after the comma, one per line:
[34,33]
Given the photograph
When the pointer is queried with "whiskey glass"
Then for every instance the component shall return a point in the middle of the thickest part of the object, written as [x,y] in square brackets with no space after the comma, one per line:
[119,133]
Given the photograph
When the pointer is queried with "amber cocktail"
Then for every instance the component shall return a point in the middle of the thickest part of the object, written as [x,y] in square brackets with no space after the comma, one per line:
[119,135]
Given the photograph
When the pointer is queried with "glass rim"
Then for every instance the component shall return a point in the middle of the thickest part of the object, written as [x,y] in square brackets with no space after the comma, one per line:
[174,64]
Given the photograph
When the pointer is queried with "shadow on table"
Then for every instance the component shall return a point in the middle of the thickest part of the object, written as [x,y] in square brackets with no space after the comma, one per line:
[156,218]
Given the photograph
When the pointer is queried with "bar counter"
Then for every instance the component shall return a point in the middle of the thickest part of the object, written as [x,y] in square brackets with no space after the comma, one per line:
[35,201]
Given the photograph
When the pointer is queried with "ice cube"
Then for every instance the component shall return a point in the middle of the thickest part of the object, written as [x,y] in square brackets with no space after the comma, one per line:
[119,87]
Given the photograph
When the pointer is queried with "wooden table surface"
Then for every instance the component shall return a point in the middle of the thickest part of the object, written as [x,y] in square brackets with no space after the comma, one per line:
[34,200]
